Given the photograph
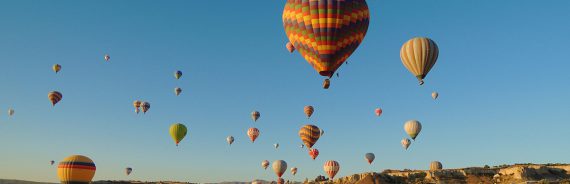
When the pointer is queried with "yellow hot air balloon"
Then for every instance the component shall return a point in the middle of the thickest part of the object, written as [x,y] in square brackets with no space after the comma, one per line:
[178,132]
[309,135]
[76,169]
[418,56]
[56,68]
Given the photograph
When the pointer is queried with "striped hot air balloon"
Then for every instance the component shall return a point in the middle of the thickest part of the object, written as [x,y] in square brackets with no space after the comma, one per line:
[128,170]
[378,111]
[418,56]
[413,128]
[290,47]
[406,143]
[54,97]
[326,33]
[56,68]
[255,115]
[309,111]
[253,133]
[178,132]
[435,165]
[177,74]
[331,167]
[145,106]
[265,164]
[279,167]
[309,135]
[314,153]
[76,169]
[369,157]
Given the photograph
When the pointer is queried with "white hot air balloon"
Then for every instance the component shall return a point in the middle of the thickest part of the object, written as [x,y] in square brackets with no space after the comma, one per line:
[107,57]
[276,145]
[230,140]
[279,167]
[406,143]
[434,95]
[413,128]
[10,112]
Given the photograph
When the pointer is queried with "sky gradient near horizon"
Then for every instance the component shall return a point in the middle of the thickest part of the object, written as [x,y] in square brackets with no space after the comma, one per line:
[502,76]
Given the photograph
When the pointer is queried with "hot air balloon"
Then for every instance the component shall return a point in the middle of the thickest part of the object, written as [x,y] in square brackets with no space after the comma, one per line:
[265,164]
[435,165]
[413,128]
[369,157]
[178,74]
[331,167]
[322,132]
[255,115]
[178,132]
[128,170]
[309,110]
[406,143]
[418,56]
[378,111]
[177,91]
[54,97]
[76,169]
[137,105]
[51,162]
[314,153]
[294,171]
[107,57]
[279,167]
[434,95]
[230,140]
[145,106]
[326,33]
[290,47]
[56,68]
[309,134]
[302,145]
[276,145]
[280,181]
[10,112]
[253,133]
[326,84]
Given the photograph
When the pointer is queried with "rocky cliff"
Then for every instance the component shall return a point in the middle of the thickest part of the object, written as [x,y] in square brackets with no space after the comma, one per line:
[518,173]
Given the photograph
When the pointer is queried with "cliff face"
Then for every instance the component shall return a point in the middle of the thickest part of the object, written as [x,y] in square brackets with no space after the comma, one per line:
[527,173]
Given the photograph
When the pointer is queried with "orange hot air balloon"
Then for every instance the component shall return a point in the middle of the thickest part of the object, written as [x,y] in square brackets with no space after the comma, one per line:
[309,111]
[54,97]
[314,153]
[378,111]
[253,133]
[76,169]
[309,135]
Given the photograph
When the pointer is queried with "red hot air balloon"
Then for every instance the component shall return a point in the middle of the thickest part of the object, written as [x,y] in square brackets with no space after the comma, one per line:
[253,133]
[378,111]
[313,153]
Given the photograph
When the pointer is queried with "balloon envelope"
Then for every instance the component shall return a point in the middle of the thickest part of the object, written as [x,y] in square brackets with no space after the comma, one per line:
[56,68]
[265,164]
[434,95]
[128,170]
[279,167]
[413,128]
[378,111]
[369,157]
[54,97]
[406,143]
[178,132]
[255,115]
[309,135]
[418,56]
[76,169]
[435,165]
[177,74]
[253,133]
[314,153]
[230,140]
[309,111]
[331,167]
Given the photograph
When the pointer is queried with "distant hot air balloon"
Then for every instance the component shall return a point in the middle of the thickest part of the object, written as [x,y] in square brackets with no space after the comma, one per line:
[369,157]
[178,132]
[76,169]
[378,111]
[314,153]
[326,33]
[322,132]
[406,143]
[10,112]
[255,115]
[178,74]
[302,145]
[54,97]
[290,47]
[128,170]
[309,110]
[265,164]
[418,56]
[230,140]
[309,135]
[276,145]
[280,181]
[107,57]
[51,162]
[56,68]
[294,171]
[326,84]
[177,91]
[435,165]
[413,128]
[137,105]
[331,167]
[279,167]
[253,133]
[145,106]
[434,95]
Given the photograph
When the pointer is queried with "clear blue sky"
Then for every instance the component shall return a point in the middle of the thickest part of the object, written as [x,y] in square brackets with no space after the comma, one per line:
[502,76]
